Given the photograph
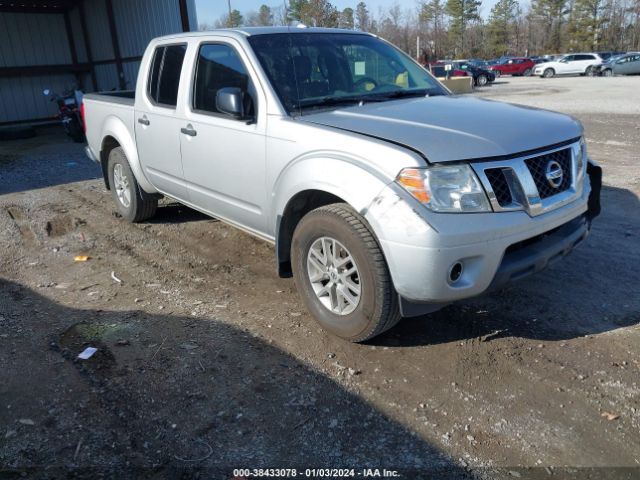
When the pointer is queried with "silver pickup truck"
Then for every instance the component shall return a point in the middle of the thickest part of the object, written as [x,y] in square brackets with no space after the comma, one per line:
[384,195]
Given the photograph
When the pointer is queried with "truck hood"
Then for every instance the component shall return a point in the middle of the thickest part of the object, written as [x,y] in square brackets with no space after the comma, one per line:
[449,128]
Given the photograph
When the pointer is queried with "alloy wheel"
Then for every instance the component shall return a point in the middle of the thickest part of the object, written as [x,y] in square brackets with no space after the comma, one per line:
[333,275]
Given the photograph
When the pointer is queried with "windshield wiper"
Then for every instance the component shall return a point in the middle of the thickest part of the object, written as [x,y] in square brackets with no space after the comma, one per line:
[409,93]
[366,98]
[330,101]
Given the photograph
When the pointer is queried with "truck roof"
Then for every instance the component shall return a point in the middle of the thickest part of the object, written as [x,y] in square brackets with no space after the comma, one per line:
[249,31]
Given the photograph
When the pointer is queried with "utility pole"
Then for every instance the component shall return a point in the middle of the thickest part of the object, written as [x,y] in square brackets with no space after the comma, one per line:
[229,5]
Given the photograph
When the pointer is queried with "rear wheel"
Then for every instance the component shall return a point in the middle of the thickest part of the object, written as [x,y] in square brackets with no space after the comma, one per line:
[133,203]
[548,73]
[482,80]
[589,71]
[342,275]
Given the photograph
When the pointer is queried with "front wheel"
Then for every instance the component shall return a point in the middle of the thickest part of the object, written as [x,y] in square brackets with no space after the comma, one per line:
[548,73]
[133,203]
[527,72]
[607,73]
[497,73]
[342,275]
[482,80]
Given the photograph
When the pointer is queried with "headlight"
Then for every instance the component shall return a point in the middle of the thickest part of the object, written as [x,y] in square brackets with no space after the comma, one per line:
[450,189]
[581,158]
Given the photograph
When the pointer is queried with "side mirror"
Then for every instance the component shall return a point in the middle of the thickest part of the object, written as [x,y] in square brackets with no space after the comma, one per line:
[229,100]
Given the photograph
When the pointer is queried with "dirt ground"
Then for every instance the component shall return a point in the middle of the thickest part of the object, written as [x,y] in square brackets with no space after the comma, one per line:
[208,362]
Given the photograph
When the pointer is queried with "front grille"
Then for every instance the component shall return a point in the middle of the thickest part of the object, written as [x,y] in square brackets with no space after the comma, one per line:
[538,169]
[499,186]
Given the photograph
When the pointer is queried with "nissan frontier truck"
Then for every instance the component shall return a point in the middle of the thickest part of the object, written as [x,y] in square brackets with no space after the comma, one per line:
[383,194]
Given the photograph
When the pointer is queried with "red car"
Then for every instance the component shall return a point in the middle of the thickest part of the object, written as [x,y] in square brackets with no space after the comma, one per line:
[514,66]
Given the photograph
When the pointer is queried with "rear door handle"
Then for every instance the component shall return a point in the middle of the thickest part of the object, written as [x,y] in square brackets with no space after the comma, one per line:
[144,121]
[189,130]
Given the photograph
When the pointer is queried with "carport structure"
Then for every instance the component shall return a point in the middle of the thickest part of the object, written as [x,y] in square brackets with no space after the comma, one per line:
[90,44]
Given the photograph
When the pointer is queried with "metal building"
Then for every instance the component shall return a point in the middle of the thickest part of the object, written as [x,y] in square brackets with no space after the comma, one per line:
[92,44]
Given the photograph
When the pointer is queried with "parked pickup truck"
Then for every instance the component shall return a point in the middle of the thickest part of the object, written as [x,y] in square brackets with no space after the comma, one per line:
[384,195]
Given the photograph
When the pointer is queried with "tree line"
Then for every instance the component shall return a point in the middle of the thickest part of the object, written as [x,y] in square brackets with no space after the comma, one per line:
[458,28]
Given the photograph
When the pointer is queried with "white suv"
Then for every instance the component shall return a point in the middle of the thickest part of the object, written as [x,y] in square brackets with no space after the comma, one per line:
[572,64]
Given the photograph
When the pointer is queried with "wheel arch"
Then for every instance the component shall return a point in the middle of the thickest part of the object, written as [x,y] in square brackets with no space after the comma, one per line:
[298,206]
[116,134]
[326,181]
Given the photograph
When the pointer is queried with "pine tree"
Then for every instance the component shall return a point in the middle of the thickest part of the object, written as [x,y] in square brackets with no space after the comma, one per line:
[265,17]
[433,13]
[462,12]
[587,22]
[363,19]
[234,19]
[552,14]
[315,13]
[346,18]
[501,26]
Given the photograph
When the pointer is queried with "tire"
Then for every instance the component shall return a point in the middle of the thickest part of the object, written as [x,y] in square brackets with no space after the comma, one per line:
[589,71]
[548,73]
[339,230]
[497,73]
[607,72]
[527,72]
[133,203]
[482,80]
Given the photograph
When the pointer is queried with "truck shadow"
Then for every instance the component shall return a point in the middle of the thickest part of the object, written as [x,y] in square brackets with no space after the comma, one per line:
[177,213]
[177,397]
[593,290]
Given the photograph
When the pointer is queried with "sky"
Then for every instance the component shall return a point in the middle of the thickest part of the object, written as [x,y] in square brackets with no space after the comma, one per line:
[209,11]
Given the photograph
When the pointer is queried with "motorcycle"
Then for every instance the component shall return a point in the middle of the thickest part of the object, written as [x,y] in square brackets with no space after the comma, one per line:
[69,112]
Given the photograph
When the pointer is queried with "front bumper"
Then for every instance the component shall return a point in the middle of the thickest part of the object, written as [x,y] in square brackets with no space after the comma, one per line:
[493,248]
[530,256]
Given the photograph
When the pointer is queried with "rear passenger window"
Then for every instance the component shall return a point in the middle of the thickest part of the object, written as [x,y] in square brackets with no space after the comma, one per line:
[164,79]
[219,66]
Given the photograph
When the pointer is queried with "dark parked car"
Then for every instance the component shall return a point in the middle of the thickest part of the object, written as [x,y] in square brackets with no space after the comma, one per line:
[480,76]
[608,55]
[480,63]
[439,71]
[514,66]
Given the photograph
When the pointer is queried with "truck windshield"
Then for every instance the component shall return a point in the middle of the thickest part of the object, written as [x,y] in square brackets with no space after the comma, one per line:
[321,70]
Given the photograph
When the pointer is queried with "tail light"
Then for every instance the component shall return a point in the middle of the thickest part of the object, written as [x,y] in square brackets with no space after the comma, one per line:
[84,123]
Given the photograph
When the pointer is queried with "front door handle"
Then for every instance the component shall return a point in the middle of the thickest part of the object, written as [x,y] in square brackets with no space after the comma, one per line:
[189,130]
[144,121]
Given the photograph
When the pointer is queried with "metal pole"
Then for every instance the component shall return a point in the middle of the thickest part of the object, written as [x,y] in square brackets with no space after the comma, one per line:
[418,48]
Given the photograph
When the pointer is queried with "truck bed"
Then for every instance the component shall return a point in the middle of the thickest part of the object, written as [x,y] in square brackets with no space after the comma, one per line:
[109,112]
[124,97]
